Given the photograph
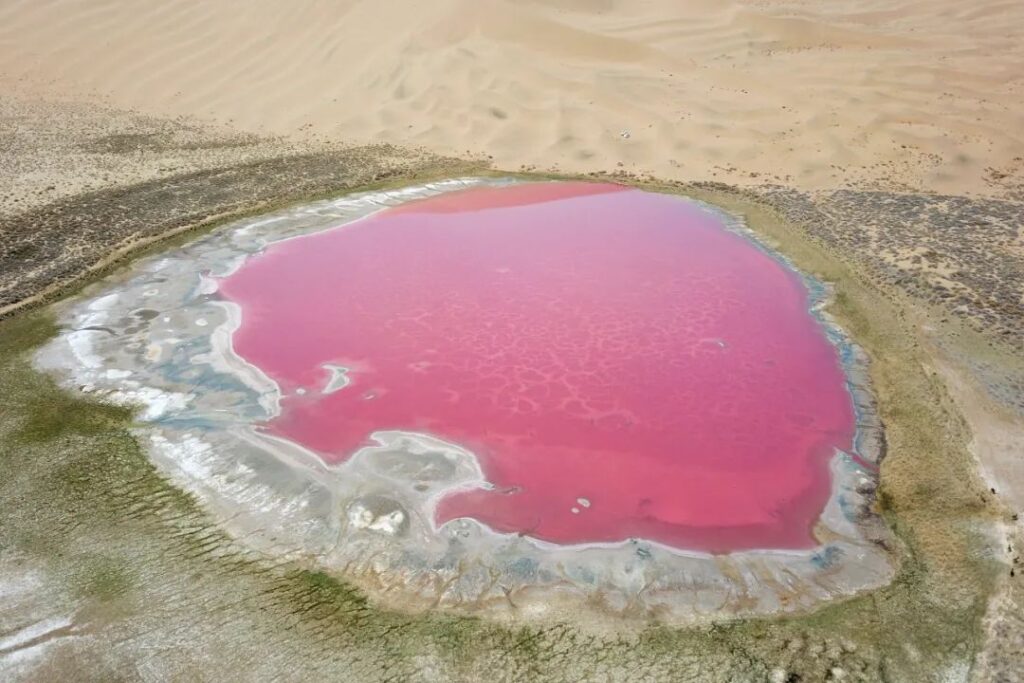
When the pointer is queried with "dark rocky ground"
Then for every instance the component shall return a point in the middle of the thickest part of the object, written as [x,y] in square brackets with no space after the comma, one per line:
[908,240]
[47,248]
[963,256]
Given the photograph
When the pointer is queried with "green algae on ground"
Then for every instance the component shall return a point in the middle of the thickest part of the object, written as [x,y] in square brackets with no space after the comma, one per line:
[103,578]
[81,506]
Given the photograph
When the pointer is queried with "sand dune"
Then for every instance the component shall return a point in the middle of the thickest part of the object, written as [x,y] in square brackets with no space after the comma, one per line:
[897,93]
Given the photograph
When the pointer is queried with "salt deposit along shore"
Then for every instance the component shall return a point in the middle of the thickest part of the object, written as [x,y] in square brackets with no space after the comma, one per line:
[159,335]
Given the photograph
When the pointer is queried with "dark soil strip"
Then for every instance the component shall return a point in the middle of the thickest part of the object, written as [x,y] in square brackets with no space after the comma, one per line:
[45,250]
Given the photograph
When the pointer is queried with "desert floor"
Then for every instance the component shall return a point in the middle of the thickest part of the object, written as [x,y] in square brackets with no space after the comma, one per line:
[888,94]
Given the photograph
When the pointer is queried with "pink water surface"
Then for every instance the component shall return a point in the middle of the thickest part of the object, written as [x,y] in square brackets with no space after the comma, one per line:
[585,341]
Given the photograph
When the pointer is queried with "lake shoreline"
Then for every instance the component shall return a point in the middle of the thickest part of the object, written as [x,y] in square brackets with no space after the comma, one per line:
[949,576]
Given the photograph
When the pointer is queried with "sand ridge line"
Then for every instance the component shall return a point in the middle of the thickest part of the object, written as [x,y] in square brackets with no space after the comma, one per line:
[901,95]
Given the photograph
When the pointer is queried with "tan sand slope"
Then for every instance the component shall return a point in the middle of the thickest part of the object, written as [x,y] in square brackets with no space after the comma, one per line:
[895,93]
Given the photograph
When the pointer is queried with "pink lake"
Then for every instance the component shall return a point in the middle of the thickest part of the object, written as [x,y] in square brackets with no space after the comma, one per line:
[621,364]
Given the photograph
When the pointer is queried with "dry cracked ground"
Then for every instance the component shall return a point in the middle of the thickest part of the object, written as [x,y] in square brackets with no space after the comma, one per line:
[107,572]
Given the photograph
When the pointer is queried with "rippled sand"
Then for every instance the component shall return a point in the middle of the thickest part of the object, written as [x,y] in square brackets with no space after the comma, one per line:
[896,93]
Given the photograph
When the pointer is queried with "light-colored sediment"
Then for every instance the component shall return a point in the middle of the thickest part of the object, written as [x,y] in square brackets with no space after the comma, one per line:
[997,442]
[895,93]
[997,434]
